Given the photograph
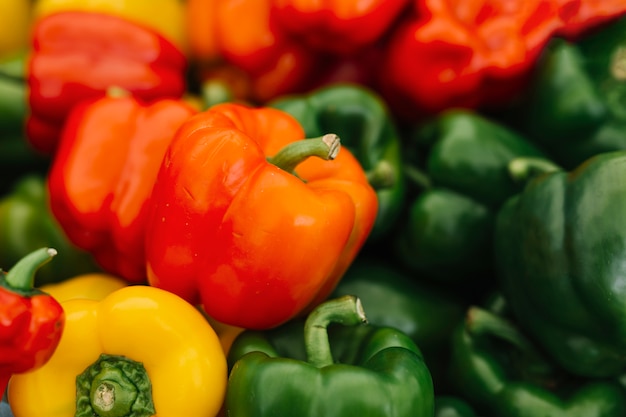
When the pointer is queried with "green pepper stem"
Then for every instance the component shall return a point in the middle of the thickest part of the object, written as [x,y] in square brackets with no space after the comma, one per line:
[382,176]
[523,169]
[417,177]
[346,310]
[22,275]
[114,386]
[325,147]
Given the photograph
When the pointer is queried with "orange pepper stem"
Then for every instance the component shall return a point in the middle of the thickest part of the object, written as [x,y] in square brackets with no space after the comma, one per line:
[21,277]
[346,310]
[325,147]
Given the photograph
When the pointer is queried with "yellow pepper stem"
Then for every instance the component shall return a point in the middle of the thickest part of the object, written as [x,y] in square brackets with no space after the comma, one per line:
[114,386]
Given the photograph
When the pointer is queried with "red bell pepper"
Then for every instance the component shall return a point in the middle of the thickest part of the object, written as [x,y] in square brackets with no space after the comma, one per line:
[79,55]
[255,241]
[476,54]
[102,175]
[339,26]
[31,322]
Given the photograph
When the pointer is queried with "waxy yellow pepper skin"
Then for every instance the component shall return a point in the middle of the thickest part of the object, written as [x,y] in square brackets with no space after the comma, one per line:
[178,348]
[91,286]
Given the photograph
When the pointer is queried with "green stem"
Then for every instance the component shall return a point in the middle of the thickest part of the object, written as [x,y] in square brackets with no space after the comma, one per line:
[523,169]
[346,310]
[382,176]
[114,386]
[22,276]
[417,177]
[325,147]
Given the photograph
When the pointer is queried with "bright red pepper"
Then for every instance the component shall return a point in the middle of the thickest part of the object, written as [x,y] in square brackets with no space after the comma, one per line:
[102,175]
[79,55]
[253,243]
[476,54]
[31,321]
[337,26]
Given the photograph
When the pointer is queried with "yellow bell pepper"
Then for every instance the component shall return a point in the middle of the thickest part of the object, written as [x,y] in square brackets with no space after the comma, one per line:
[15,23]
[167,17]
[164,340]
[93,286]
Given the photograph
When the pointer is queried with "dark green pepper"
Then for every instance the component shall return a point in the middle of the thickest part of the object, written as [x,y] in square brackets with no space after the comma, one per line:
[394,298]
[576,103]
[450,406]
[502,374]
[461,158]
[369,371]
[363,122]
[560,247]
[26,224]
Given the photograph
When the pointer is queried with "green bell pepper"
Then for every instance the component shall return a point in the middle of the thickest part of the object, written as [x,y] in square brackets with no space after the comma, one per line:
[362,371]
[560,247]
[460,161]
[576,102]
[395,298]
[450,406]
[363,122]
[502,374]
[26,224]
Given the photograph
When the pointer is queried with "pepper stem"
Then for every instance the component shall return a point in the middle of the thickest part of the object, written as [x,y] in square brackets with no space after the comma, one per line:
[22,276]
[325,147]
[114,386]
[346,310]
[523,169]
[382,176]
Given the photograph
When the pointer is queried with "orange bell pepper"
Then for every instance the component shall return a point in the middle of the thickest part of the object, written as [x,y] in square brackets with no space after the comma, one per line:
[101,198]
[244,236]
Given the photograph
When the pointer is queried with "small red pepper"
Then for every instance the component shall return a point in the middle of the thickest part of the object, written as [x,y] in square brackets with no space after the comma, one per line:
[80,55]
[102,175]
[31,321]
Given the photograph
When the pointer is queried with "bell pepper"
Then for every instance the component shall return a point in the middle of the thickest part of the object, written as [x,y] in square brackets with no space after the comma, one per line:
[15,21]
[79,55]
[339,27]
[478,55]
[364,124]
[92,286]
[101,199]
[143,352]
[374,371]
[461,158]
[396,298]
[26,224]
[31,321]
[502,374]
[573,107]
[559,257]
[255,241]
[166,17]
[450,406]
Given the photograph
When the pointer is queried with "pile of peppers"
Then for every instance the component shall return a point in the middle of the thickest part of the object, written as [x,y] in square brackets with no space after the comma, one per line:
[399,208]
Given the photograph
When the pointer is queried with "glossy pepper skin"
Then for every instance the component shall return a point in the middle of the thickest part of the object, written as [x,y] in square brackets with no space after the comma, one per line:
[101,199]
[79,55]
[395,298]
[26,224]
[368,371]
[184,368]
[31,321]
[363,122]
[560,239]
[498,370]
[462,157]
[253,243]
[92,286]
[573,107]
[478,54]
[342,26]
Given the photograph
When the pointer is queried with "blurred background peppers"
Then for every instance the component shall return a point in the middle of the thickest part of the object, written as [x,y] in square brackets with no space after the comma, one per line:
[246,223]
[27,223]
[78,55]
[363,122]
[31,321]
[101,199]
